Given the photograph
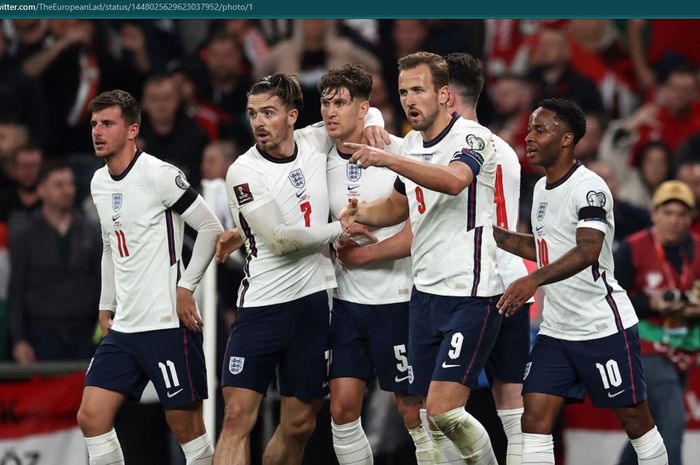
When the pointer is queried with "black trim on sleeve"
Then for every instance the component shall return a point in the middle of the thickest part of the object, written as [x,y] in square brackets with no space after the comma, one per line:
[185,200]
[399,186]
[589,213]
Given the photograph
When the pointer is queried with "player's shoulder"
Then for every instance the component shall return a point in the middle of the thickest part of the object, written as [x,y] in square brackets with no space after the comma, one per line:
[246,164]
[476,136]
[584,177]
[412,139]
[395,144]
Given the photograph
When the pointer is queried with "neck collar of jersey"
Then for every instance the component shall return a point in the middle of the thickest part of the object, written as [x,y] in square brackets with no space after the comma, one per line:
[269,157]
[577,164]
[344,156]
[435,140]
[123,174]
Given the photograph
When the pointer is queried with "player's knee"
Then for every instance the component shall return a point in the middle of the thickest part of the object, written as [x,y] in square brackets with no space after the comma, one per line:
[409,408]
[535,424]
[238,420]
[91,422]
[300,428]
[343,411]
[636,421]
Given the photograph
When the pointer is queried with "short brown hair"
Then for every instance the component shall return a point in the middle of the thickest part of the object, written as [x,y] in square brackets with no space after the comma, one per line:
[131,112]
[284,86]
[353,77]
[436,63]
[466,76]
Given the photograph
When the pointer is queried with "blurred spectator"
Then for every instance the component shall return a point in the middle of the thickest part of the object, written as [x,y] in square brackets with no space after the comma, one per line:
[13,136]
[654,168]
[690,148]
[313,50]
[166,131]
[18,203]
[247,33]
[203,113]
[22,101]
[660,269]
[629,218]
[223,84]
[55,276]
[688,171]
[598,52]
[554,77]
[587,148]
[657,45]
[379,98]
[73,61]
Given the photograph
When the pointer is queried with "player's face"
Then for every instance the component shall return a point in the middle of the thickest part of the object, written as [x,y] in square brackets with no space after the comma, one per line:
[671,221]
[342,115]
[271,121]
[545,135]
[110,133]
[419,98]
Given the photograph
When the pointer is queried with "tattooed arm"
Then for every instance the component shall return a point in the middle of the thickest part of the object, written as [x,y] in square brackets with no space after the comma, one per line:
[522,245]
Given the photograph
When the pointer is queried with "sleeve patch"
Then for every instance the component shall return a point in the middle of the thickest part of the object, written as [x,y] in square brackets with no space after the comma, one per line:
[243,194]
[596,199]
[475,143]
[181,181]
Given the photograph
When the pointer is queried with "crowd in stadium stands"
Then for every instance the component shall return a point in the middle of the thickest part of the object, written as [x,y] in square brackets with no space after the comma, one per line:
[638,82]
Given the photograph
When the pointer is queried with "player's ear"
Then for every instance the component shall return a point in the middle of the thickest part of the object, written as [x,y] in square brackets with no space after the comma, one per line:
[443,95]
[292,116]
[364,108]
[567,140]
[133,131]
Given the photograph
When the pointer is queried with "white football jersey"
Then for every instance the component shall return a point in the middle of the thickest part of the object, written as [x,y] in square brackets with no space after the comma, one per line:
[377,283]
[453,250]
[298,185]
[507,198]
[137,217]
[590,304]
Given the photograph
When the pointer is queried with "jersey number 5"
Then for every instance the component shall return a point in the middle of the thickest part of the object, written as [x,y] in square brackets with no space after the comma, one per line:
[306,210]
[121,243]
[420,199]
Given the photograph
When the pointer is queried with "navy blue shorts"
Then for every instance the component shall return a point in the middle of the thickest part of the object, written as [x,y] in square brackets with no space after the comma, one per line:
[609,369]
[291,337]
[511,351]
[172,359]
[369,338]
[450,338]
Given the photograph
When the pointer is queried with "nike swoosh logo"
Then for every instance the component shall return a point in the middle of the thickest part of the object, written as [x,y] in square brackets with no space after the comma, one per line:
[352,188]
[116,217]
[398,380]
[173,394]
[616,394]
[299,194]
[447,365]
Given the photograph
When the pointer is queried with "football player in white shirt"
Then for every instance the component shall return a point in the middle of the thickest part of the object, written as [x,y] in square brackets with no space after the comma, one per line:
[279,200]
[369,323]
[588,341]
[445,184]
[510,354]
[147,310]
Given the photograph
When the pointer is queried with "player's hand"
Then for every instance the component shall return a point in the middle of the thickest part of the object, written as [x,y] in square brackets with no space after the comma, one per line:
[349,253]
[105,318]
[23,353]
[228,242]
[517,294]
[349,213]
[376,136]
[187,310]
[357,229]
[366,156]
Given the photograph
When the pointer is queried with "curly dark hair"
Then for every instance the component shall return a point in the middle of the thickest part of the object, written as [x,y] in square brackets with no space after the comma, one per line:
[353,77]
[569,113]
[284,86]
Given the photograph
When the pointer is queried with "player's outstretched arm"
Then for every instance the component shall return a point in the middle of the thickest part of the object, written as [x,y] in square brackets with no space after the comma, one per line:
[589,242]
[451,179]
[522,245]
[268,221]
[378,213]
[395,247]
[228,242]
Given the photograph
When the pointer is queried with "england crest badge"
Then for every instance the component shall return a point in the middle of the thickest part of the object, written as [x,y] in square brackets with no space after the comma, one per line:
[235,365]
[353,172]
[541,210]
[296,177]
[117,201]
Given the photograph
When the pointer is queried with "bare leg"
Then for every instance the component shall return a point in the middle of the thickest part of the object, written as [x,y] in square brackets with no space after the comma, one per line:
[241,413]
[297,423]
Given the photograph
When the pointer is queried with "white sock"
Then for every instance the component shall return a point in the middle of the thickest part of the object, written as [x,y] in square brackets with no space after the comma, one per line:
[445,452]
[538,449]
[198,451]
[105,449]
[467,434]
[350,444]
[650,448]
[423,443]
[511,426]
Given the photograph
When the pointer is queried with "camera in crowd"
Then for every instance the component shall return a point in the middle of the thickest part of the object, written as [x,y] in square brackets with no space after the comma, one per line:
[678,296]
